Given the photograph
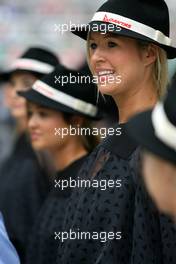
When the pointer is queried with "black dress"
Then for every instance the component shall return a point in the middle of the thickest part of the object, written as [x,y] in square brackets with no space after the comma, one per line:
[146,236]
[43,247]
[23,188]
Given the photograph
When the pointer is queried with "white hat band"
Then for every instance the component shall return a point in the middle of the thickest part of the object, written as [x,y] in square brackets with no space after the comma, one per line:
[65,99]
[32,65]
[164,129]
[133,25]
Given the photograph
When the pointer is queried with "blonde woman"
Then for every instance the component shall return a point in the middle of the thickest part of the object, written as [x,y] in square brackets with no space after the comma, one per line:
[127,41]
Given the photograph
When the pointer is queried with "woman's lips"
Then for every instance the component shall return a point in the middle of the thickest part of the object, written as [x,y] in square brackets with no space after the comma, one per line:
[34,136]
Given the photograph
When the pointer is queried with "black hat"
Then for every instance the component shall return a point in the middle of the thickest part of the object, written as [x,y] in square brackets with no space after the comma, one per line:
[35,60]
[67,91]
[140,19]
[155,129]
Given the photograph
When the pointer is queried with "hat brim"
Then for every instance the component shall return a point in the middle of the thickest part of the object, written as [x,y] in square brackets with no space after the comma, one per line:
[37,98]
[140,128]
[5,76]
[96,26]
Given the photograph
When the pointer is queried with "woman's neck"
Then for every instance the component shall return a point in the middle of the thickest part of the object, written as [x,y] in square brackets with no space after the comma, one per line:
[135,101]
[64,156]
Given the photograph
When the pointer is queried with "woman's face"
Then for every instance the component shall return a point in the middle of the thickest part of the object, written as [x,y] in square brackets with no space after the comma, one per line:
[42,123]
[112,56]
[160,179]
[17,104]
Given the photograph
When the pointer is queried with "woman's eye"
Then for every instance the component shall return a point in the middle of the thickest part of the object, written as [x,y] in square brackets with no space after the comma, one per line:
[43,114]
[111,44]
[27,85]
[93,46]
[12,83]
[29,113]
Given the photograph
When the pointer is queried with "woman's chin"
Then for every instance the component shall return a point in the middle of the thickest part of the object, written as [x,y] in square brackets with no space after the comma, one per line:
[107,89]
[37,146]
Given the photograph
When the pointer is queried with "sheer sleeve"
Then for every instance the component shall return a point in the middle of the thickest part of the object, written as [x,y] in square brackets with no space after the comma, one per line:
[96,210]
[168,238]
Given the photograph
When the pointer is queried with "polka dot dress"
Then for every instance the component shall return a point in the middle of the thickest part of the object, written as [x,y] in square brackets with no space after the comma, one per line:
[146,238]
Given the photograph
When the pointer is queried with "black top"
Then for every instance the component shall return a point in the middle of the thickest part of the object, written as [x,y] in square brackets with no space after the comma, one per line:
[23,188]
[43,247]
[146,236]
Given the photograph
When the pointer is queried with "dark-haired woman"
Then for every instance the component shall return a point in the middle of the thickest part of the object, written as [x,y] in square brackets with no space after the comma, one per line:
[55,114]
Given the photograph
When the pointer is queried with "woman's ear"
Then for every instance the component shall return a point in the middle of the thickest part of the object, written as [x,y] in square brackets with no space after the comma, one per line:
[150,54]
[77,120]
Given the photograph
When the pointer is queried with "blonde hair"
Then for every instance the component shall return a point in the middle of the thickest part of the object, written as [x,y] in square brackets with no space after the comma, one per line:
[160,70]
[88,62]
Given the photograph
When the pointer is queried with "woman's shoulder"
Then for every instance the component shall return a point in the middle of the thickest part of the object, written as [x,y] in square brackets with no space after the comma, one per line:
[120,143]
[117,153]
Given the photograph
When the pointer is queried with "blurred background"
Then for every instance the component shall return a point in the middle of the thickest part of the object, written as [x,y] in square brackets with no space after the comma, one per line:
[34,22]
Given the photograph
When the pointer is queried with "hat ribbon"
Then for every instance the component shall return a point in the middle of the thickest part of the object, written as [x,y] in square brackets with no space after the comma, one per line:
[65,99]
[130,24]
[164,129]
[32,65]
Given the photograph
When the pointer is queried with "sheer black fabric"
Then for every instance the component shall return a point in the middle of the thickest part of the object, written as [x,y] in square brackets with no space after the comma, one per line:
[146,236]
[43,247]
[23,188]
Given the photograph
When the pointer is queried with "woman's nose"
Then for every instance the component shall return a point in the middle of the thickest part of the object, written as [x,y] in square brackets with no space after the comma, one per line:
[14,93]
[98,56]
[32,122]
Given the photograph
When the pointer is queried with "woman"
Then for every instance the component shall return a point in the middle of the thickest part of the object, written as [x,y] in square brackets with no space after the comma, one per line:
[158,127]
[23,186]
[120,224]
[53,109]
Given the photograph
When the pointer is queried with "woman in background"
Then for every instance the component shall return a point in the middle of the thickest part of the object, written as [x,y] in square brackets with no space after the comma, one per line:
[158,130]
[53,108]
[24,185]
